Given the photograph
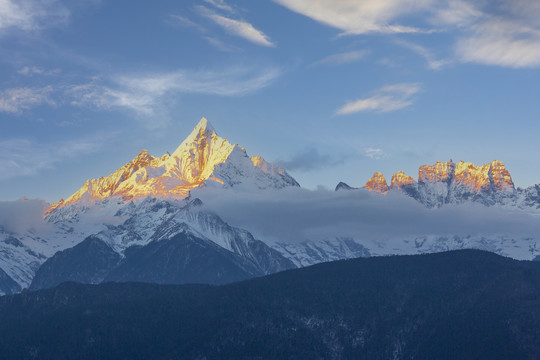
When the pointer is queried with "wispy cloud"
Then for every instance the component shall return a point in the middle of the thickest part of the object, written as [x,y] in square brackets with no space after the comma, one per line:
[432,61]
[204,32]
[360,17]
[36,71]
[342,58]
[501,33]
[16,100]
[185,22]
[385,99]
[31,15]
[23,157]
[239,28]
[460,13]
[503,43]
[221,5]
[218,44]
[144,94]
[375,153]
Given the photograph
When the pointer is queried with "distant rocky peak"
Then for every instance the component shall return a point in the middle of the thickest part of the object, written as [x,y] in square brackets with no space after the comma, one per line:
[440,172]
[344,186]
[448,182]
[400,180]
[500,176]
[377,184]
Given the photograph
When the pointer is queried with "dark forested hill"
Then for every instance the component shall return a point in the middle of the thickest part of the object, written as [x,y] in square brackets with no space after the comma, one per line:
[455,305]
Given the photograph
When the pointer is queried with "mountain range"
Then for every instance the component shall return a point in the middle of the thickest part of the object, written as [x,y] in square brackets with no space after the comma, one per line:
[144,222]
[451,183]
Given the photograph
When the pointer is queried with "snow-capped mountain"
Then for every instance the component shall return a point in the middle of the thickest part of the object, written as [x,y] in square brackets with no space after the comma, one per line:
[451,183]
[110,206]
[144,222]
[202,158]
[142,244]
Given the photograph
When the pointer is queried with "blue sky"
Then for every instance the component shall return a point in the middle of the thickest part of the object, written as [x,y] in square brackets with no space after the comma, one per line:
[331,89]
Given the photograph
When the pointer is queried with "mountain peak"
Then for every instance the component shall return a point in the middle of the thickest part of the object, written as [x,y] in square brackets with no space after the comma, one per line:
[203,126]
[400,179]
[377,183]
[344,186]
[440,172]
[202,156]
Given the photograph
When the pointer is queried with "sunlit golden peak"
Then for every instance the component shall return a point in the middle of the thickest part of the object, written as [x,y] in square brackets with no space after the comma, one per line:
[377,183]
[400,179]
[202,156]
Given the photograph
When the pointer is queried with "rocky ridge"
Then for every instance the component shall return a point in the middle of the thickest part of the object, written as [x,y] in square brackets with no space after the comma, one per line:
[448,182]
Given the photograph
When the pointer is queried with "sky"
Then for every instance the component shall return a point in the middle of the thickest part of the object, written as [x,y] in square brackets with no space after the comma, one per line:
[332,90]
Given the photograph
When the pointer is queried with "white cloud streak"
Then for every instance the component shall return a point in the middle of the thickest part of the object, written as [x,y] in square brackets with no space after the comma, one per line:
[374,153]
[385,99]
[499,33]
[432,61]
[221,5]
[16,100]
[343,58]
[458,13]
[360,17]
[502,43]
[239,28]
[30,15]
[144,94]
[185,22]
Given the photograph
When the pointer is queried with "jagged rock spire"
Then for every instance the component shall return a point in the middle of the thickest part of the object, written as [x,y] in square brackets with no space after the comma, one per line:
[377,183]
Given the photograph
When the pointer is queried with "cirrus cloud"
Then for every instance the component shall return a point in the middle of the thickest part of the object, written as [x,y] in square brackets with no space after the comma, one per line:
[385,99]
[28,15]
[236,27]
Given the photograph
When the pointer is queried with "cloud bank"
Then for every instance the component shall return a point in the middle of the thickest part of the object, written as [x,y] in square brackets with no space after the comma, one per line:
[294,215]
[22,215]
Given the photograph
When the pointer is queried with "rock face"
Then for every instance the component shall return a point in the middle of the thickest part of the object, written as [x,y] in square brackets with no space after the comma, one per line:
[448,182]
[440,172]
[400,180]
[202,157]
[377,184]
